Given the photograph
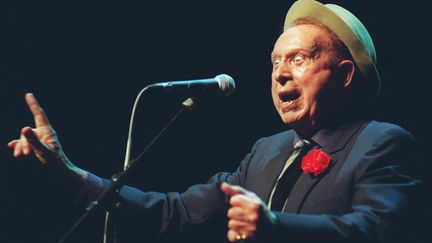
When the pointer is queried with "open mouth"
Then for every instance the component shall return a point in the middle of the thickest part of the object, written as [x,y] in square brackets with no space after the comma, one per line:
[289,97]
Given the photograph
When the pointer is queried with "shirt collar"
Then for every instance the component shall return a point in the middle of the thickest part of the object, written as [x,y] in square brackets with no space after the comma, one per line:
[320,138]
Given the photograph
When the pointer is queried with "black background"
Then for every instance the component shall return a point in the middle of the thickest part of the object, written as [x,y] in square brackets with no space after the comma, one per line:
[87,60]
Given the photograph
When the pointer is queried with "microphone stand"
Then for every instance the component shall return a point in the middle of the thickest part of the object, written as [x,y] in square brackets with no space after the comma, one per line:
[107,197]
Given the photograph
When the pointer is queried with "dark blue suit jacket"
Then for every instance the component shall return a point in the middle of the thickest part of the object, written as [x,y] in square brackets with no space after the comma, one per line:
[368,193]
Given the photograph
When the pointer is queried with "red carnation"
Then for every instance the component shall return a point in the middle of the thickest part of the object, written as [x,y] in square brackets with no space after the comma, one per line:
[315,162]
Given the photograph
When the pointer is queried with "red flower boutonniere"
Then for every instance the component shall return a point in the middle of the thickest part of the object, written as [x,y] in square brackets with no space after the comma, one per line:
[315,162]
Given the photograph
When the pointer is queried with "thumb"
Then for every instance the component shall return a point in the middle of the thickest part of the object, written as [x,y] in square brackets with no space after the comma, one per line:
[231,190]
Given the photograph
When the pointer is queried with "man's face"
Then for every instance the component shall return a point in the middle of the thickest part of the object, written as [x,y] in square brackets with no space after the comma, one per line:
[302,87]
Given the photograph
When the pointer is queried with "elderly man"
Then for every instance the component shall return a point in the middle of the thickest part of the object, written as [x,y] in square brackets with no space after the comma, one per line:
[335,177]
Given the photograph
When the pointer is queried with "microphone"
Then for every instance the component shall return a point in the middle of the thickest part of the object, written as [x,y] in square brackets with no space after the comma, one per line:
[222,84]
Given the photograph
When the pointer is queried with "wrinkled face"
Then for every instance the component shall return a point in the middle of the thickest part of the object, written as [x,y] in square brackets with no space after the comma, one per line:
[302,76]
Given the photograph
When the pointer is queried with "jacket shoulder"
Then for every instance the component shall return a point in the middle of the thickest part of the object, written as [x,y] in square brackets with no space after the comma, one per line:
[277,141]
[384,131]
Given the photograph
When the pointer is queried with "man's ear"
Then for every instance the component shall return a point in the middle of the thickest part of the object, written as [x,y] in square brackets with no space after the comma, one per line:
[346,69]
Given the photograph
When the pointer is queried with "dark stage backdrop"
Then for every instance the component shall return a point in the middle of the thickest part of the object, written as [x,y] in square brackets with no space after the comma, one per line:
[87,60]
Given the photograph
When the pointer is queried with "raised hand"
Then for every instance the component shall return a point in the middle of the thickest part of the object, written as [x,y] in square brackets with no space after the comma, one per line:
[42,142]
[248,213]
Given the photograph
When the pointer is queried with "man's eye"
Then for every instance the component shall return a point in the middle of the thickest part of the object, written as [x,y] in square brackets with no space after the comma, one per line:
[276,61]
[298,59]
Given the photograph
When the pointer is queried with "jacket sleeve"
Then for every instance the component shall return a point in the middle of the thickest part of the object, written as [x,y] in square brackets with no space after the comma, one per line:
[385,189]
[167,215]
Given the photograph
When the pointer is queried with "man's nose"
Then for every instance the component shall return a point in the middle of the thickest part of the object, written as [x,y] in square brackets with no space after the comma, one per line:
[282,73]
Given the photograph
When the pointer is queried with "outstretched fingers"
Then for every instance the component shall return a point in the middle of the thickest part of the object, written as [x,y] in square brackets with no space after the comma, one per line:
[20,146]
[26,144]
[39,115]
[40,141]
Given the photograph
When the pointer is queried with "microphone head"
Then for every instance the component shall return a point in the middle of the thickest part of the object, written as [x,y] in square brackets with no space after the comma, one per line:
[226,84]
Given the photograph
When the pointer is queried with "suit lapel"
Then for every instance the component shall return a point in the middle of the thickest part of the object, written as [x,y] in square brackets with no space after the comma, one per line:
[307,182]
